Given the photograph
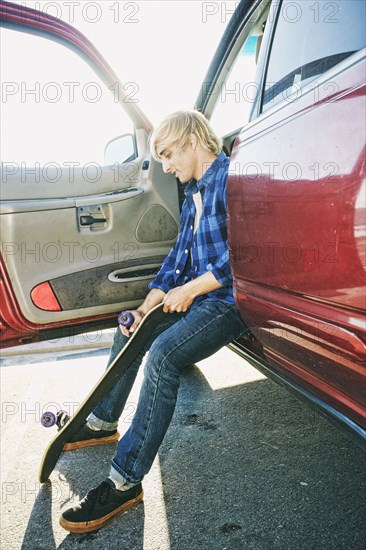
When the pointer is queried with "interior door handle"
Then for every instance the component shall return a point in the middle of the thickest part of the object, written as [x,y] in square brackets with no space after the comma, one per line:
[89,220]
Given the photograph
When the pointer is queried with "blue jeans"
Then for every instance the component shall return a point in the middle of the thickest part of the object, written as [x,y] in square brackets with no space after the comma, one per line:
[179,341]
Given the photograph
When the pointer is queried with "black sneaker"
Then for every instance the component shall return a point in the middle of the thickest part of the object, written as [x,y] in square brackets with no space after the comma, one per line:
[86,437]
[100,506]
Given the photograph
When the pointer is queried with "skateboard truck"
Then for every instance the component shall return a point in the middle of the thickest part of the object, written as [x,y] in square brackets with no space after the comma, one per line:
[49,419]
[126,319]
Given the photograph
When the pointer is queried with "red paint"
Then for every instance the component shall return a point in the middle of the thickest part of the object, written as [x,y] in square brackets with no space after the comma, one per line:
[298,247]
[43,297]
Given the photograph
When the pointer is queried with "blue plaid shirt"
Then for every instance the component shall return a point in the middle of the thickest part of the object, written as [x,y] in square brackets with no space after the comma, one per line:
[206,250]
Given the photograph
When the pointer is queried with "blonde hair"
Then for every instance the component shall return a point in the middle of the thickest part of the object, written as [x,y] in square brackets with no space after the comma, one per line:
[176,128]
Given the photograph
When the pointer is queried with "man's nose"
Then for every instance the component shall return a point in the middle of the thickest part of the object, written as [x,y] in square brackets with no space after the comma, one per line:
[166,166]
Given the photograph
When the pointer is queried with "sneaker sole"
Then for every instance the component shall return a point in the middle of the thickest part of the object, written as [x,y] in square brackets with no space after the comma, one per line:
[89,526]
[91,442]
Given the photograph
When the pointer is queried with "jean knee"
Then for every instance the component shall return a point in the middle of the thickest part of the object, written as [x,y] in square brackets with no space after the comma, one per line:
[159,367]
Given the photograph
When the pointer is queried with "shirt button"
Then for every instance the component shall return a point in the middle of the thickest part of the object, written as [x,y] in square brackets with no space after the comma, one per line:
[177,271]
[191,227]
[195,268]
[186,251]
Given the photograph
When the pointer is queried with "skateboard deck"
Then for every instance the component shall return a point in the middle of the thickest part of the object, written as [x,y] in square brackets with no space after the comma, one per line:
[120,364]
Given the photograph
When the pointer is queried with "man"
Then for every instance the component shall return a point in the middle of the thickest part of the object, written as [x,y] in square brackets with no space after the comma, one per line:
[195,285]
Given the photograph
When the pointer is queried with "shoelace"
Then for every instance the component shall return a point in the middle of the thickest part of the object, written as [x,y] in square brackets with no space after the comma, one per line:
[99,495]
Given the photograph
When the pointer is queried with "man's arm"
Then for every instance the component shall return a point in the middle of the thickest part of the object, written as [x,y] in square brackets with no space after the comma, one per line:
[180,298]
[154,298]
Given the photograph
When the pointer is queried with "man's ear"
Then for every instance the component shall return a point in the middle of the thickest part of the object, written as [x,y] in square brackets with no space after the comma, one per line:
[193,141]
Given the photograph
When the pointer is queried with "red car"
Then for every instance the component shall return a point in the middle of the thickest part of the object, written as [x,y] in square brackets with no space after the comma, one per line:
[286,89]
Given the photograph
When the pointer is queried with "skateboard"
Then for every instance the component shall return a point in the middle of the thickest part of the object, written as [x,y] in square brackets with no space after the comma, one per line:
[69,426]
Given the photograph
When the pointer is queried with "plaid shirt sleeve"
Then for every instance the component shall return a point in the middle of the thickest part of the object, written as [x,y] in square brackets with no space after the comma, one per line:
[221,268]
[164,280]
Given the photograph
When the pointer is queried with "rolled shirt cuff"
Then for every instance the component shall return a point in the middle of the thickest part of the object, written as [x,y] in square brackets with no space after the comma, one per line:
[161,286]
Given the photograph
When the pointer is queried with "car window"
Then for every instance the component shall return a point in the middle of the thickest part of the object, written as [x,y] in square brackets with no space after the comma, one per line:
[237,93]
[55,109]
[309,39]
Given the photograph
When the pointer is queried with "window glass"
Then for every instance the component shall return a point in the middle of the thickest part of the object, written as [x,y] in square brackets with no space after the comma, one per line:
[310,38]
[54,107]
[236,95]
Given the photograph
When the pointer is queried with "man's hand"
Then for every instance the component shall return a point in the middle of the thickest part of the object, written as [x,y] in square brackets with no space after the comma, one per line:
[154,298]
[178,299]
[138,318]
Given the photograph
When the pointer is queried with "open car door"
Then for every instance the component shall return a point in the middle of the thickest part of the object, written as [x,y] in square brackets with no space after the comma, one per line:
[87,216]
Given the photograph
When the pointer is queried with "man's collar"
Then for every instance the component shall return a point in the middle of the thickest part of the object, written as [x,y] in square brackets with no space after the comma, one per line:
[193,186]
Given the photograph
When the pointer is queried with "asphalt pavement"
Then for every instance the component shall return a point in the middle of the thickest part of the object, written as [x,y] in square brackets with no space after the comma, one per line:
[244,464]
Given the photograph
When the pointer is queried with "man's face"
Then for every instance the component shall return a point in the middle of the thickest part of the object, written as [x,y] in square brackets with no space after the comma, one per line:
[179,162]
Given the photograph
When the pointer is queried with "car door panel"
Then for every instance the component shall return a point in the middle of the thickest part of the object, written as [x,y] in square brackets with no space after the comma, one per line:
[45,241]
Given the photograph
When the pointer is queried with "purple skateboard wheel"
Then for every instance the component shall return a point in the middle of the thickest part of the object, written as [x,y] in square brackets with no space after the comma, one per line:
[48,419]
[126,319]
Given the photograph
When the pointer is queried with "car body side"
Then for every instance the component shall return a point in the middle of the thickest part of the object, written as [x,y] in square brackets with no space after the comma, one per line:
[296,218]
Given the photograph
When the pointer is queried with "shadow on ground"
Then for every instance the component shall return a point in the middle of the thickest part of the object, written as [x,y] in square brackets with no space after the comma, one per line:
[245,467]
